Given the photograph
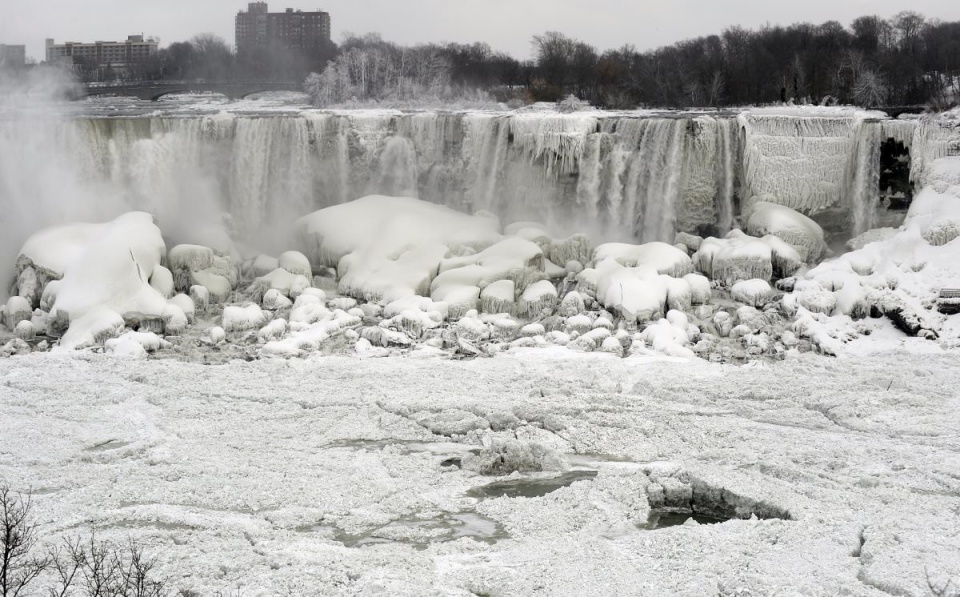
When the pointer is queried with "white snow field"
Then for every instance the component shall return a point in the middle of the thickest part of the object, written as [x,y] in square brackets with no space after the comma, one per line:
[341,475]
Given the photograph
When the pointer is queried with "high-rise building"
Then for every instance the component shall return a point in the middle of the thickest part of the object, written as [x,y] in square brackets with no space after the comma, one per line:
[102,53]
[302,32]
[13,56]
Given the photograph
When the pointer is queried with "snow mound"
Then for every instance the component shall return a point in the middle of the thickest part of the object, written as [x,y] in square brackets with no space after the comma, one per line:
[665,259]
[106,270]
[385,248]
[635,293]
[899,274]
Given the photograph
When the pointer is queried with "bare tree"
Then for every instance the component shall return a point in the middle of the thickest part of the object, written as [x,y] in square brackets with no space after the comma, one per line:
[100,569]
[869,89]
[18,537]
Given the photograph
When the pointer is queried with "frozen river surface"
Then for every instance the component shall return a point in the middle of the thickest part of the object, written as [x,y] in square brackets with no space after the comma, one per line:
[347,476]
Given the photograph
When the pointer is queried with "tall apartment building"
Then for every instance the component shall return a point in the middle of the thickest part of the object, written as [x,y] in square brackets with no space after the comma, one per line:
[13,56]
[302,32]
[102,53]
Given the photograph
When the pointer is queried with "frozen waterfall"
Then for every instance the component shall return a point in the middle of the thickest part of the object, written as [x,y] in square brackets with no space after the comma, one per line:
[619,176]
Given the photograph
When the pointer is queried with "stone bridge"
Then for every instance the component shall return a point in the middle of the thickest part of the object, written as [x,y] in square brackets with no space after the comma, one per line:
[153,91]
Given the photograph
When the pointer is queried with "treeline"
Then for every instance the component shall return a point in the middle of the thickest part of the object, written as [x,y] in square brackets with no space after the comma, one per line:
[369,68]
[904,60]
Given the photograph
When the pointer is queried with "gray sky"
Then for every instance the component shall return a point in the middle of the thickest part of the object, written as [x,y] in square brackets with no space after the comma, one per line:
[506,25]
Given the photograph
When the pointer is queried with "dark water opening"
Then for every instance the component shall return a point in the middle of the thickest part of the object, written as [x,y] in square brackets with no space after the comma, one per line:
[896,191]
[529,487]
[662,519]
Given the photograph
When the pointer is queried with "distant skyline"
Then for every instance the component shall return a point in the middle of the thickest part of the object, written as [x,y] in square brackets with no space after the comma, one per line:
[505,25]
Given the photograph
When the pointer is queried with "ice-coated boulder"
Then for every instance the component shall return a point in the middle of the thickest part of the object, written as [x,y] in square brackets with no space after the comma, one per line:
[274,300]
[571,305]
[200,297]
[216,335]
[790,226]
[162,281]
[25,330]
[731,260]
[755,293]
[186,305]
[28,286]
[217,288]
[262,265]
[499,297]
[538,298]
[700,290]
[296,263]
[274,330]
[16,310]
[242,318]
[182,260]
[723,323]
[690,241]
[679,293]
[175,321]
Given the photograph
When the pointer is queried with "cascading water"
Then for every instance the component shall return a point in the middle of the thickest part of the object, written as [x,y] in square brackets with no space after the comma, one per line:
[628,177]
[864,188]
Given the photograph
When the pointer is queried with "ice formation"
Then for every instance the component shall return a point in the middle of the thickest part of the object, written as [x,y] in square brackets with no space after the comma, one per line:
[441,272]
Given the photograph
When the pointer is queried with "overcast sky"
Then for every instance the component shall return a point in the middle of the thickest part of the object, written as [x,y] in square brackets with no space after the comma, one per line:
[506,25]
